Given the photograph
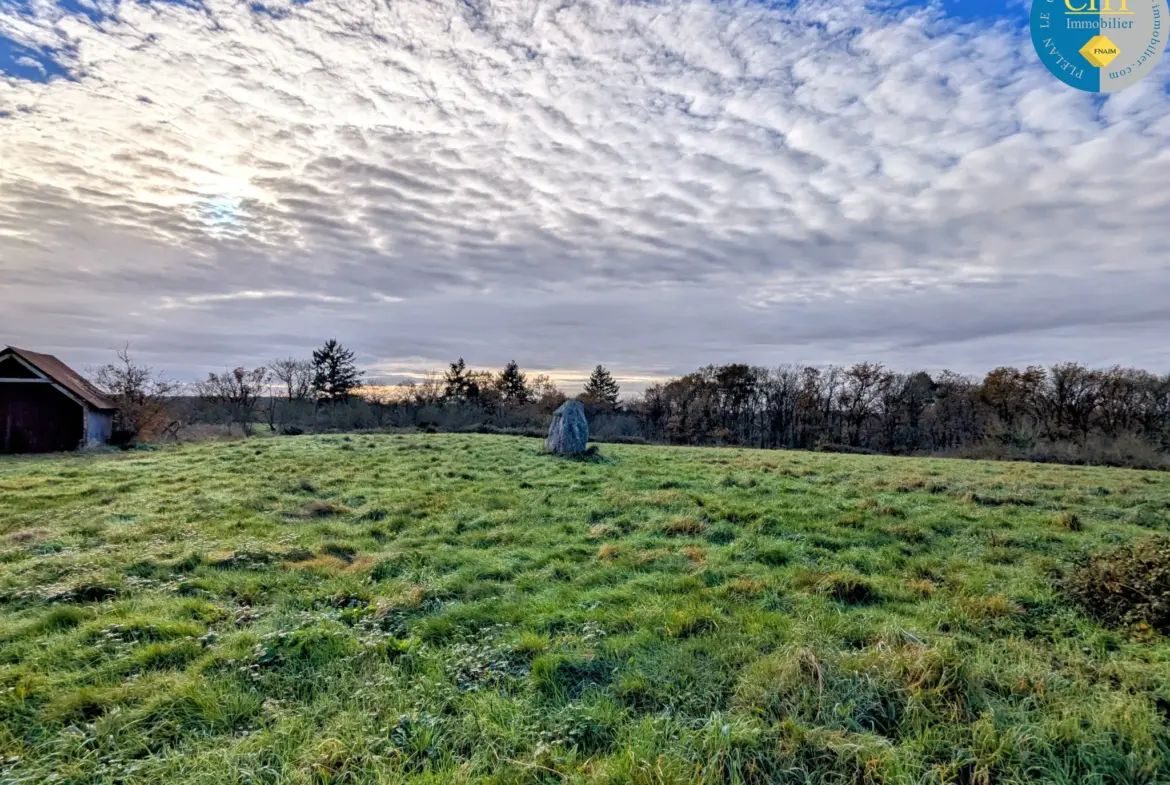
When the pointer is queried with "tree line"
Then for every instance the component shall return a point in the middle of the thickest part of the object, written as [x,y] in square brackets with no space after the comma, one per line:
[1034,412]
[1065,412]
[290,393]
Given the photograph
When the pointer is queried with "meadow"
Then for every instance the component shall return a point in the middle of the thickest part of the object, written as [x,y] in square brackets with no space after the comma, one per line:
[463,609]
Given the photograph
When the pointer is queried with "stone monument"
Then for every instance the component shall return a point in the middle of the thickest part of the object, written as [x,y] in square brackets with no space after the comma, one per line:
[569,431]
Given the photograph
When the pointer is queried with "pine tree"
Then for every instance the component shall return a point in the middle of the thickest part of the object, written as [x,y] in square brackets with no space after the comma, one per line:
[459,383]
[513,385]
[601,389]
[334,372]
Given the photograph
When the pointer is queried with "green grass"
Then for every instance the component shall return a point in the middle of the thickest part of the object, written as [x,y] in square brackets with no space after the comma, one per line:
[440,608]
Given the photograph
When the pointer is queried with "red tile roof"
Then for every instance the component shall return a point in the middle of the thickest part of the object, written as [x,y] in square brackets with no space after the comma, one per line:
[63,375]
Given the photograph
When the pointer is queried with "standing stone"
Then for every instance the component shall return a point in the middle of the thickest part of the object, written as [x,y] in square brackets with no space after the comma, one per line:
[569,430]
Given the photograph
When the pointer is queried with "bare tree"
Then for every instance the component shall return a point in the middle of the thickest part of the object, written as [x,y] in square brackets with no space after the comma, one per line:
[295,376]
[864,386]
[425,392]
[238,391]
[1069,400]
[545,393]
[429,391]
[140,394]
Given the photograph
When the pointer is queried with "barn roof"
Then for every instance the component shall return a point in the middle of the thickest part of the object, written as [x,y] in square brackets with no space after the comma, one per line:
[63,375]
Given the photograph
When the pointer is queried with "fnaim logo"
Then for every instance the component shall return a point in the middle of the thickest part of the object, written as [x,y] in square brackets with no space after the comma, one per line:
[1100,45]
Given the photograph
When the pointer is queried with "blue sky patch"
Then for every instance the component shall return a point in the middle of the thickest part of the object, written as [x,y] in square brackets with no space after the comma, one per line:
[34,65]
[975,10]
[82,8]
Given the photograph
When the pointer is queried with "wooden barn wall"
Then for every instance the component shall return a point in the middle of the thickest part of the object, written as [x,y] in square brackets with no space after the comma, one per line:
[38,418]
[99,426]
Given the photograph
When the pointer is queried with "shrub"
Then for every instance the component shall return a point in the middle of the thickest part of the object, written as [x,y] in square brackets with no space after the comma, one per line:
[1128,585]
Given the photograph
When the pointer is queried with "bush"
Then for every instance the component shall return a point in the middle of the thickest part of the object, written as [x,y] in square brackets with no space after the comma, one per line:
[1128,585]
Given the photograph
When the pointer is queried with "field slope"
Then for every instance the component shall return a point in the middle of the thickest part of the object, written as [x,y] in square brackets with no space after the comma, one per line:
[442,608]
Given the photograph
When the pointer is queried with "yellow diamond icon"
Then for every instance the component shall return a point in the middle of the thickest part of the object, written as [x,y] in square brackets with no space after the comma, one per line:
[1100,51]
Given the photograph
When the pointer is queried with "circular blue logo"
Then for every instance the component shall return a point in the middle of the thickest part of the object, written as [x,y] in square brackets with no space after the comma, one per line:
[1101,46]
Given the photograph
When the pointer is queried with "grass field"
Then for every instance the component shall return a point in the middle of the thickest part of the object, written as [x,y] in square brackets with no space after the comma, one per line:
[441,608]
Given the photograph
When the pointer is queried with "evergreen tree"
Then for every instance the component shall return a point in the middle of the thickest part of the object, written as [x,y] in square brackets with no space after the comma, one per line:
[460,384]
[601,389]
[513,385]
[334,372]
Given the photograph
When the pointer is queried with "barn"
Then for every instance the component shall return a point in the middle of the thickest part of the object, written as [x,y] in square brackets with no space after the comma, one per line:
[46,406]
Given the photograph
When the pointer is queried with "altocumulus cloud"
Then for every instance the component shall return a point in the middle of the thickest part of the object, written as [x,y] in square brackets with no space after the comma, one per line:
[652,185]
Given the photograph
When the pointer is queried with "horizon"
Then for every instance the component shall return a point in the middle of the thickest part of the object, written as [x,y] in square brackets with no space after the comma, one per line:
[632,385]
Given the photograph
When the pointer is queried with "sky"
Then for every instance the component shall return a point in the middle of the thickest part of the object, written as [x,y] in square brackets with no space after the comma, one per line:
[653,186]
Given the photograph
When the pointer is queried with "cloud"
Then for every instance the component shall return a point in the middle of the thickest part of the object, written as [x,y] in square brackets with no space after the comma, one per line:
[649,185]
[250,294]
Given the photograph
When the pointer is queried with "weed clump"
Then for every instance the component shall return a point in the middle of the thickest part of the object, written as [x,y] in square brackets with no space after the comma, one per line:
[568,676]
[1126,586]
[721,535]
[603,530]
[323,509]
[64,617]
[85,593]
[850,589]
[684,526]
[245,560]
[922,588]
